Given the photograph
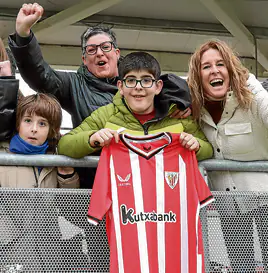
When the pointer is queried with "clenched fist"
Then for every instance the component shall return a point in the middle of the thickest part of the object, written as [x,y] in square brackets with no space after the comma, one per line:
[28,15]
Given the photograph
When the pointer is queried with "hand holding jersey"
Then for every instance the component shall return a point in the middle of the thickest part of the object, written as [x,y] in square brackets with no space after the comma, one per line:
[103,137]
[151,191]
[189,142]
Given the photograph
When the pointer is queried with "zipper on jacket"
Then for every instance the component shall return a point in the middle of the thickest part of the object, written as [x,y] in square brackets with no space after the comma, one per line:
[145,126]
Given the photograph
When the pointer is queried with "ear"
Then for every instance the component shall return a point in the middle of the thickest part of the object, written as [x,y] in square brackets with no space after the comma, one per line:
[120,87]
[83,59]
[117,51]
[159,86]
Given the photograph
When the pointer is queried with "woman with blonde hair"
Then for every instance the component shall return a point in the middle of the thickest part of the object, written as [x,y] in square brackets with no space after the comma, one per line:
[231,107]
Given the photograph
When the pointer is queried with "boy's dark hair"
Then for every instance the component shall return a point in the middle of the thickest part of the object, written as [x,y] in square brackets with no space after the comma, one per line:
[43,105]
[137,61]
[92,31]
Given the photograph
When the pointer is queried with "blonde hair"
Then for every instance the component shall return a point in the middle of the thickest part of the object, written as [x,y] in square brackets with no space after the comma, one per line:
[237,72]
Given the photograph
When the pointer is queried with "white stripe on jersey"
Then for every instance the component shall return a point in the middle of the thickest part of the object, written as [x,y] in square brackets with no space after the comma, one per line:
[184,218]
[160,194]
[116,218]
[197,240]
[142,238]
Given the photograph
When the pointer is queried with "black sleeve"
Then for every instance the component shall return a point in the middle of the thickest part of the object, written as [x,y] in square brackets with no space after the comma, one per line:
[23,41]
[9,87]
[36,72]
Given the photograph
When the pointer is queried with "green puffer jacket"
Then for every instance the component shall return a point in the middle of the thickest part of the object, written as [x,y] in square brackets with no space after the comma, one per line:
[116,115]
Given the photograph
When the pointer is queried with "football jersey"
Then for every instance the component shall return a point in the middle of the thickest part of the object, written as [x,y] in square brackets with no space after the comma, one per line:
[151,191]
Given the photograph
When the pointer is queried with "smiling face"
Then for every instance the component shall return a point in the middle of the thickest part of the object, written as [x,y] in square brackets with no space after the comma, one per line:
[140,99]
[34,129]
[102,64]
[214,74]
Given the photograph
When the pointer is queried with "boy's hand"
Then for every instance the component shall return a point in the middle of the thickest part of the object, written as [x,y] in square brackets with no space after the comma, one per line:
[28,15]
[189,142]
[5,69]
[181,114]
[103,137]
[65,170]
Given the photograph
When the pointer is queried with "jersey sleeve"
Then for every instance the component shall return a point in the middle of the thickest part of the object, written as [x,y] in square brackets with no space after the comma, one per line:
[100,200]
[204,194]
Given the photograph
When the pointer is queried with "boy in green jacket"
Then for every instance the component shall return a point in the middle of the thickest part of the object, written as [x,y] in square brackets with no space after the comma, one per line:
[134,108]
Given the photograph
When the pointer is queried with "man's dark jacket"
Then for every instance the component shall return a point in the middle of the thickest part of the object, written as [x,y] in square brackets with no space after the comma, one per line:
[81,93]
[9,88]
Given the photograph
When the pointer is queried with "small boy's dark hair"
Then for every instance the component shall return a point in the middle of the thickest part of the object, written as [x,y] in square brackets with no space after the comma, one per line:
[45,106]
[137,61]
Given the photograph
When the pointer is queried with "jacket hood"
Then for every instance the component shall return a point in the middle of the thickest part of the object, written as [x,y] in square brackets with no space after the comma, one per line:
[175,91]
[254,85]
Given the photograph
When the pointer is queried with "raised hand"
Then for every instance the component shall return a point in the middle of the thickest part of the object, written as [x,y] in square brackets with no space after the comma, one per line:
[5,69]
[28,15]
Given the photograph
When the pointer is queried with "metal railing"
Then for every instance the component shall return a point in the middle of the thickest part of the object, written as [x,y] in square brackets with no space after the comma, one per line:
[45,230]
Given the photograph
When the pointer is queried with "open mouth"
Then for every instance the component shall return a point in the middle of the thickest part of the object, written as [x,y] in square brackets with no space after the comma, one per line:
[216,82]
[101,63]
[32,138]
[138,97]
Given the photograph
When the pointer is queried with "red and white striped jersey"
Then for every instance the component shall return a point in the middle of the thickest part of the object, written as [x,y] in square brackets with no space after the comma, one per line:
[152,191]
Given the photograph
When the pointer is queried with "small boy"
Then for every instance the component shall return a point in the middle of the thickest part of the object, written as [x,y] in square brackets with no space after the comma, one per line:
[134,108]
[38,120]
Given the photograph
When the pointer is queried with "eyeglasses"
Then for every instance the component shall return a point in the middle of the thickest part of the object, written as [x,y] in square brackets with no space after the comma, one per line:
[105,47]
[145,82]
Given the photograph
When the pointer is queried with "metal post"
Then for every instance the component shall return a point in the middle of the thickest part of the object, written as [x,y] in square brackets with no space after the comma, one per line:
[204,222]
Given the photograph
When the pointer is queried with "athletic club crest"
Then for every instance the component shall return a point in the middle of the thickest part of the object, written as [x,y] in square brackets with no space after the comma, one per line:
[172,179]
